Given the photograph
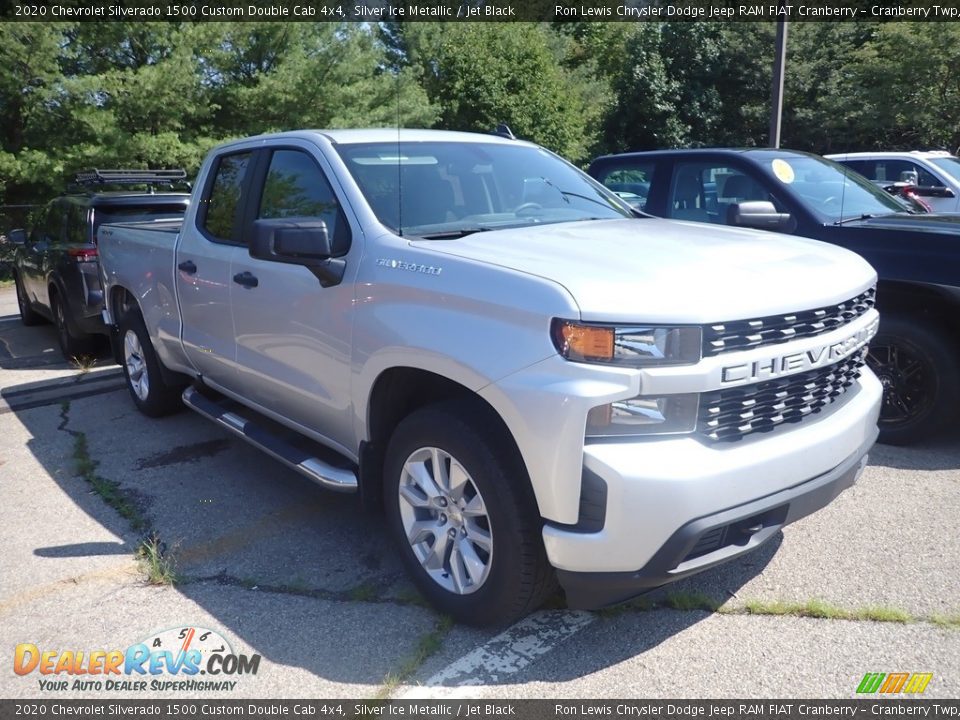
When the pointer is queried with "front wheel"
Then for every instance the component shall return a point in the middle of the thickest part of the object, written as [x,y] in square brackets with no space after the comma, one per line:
[152,395]
[469,533]
[917,369]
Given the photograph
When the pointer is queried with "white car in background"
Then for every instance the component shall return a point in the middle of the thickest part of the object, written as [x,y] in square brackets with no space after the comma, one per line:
[936,173]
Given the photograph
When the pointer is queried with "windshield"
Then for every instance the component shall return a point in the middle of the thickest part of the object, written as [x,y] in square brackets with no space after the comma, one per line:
[448,189]
[830,190]
[950,165]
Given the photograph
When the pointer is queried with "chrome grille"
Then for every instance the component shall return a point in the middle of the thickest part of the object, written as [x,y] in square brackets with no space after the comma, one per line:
[743,334]
[729,415]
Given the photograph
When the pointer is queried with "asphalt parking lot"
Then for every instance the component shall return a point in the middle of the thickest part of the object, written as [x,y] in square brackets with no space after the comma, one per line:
[307,580]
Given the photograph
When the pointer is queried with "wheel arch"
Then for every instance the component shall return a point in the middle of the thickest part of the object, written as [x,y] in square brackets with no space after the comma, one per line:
[399,391]
[935,304]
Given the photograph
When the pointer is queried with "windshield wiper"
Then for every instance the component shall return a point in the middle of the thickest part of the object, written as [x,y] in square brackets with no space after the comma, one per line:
[452,234]
[855,218]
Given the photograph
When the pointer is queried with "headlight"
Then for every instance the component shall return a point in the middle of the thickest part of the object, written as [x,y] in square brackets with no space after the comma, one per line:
[634,346]
[665,415]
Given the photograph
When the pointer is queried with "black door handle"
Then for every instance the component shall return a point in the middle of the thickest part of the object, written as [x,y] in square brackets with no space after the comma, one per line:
[188,266]
[248,280]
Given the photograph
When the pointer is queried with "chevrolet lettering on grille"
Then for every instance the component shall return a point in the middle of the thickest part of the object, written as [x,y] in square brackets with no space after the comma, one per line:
[797,362]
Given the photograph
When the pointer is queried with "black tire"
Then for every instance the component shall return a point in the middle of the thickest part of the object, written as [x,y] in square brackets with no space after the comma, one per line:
[518,577]
[28,316]
[140,364]
[918,370]
[73,345]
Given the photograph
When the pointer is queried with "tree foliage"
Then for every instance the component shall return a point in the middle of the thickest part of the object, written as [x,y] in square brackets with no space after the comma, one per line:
[482,74]
[75,95]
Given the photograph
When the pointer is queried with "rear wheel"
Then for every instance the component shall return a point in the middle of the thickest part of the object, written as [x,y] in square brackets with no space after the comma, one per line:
[152,395]
[462,514]
[916,367]
[73,345]
[27,314]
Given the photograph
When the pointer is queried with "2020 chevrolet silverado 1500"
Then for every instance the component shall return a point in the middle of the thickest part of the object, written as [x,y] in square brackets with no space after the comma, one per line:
[535,382]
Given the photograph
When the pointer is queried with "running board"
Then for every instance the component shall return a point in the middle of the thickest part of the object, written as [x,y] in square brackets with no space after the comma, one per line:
[311,467]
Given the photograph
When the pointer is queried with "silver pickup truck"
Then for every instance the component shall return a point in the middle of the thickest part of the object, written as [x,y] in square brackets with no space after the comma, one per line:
[537,383]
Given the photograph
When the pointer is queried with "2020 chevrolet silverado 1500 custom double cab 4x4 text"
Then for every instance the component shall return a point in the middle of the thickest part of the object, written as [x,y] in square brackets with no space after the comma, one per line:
[535,382]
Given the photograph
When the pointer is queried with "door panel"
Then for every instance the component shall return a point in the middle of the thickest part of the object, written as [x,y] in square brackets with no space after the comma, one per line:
[204,270]
[294,336]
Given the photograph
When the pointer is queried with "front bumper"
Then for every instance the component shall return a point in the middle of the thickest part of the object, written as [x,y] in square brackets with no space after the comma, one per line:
[675,506]
[709,541]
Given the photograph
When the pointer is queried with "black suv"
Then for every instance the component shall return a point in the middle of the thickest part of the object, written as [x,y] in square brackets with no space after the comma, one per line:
[916,256]
[56,267]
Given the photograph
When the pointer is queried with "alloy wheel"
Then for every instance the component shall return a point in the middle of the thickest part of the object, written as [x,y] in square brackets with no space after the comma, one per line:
[135,364]
[445,520]
[908,384]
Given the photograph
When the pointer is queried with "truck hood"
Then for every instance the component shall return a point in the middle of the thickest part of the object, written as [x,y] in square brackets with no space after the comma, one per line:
[652,270]
[948,223]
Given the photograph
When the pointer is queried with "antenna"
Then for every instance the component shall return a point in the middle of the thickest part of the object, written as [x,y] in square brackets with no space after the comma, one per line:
[843,187]
[399,164]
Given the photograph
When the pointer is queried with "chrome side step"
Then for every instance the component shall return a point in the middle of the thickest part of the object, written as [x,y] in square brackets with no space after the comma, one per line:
[311,467]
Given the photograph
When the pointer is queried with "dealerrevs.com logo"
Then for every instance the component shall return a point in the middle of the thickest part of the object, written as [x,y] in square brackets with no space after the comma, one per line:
[186,659]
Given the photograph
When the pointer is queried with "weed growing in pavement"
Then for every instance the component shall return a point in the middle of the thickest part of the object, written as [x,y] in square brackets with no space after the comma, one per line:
[819,609]
[109,490]
[428,646]
[951,622]
[364,592]
[83,363]
[157,563]
[690,601]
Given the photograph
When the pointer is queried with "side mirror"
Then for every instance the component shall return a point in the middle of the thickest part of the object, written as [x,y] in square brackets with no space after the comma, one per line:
[760,214]
[17,237]
[298,241]
[934,191]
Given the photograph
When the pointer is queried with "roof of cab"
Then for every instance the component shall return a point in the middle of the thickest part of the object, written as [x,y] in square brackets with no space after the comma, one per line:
[385,135]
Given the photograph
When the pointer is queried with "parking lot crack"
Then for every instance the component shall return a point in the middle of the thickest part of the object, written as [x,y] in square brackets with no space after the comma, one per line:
[812,608]
[155,560]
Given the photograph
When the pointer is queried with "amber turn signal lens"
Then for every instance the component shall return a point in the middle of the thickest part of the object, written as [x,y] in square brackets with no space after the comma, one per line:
[587,343]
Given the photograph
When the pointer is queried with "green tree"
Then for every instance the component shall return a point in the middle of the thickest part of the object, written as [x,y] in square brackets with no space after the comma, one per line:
[33,108]
[666,89]
[268,77]
[482,74]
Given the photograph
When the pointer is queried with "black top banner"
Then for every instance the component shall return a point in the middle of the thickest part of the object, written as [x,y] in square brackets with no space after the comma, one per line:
[479,11]
[494,709]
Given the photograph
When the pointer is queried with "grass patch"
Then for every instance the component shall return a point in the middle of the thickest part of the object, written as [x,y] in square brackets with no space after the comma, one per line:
[6,282]
[364,592]
[691,601]
[813,608]
[822,610]
[409,596]
[428,645]
[109,490]
[158,564]
[640,604]
[951,622]
[884,614]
